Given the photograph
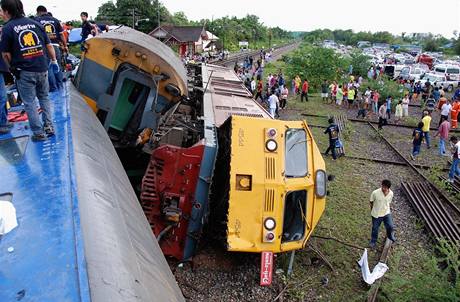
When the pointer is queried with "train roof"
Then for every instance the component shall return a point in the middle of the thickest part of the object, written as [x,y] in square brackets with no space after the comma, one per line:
[228,95]
[81,234]
[150,44]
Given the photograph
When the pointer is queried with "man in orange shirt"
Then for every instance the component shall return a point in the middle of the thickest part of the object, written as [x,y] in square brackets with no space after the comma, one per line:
[454,114]
[67,27]
[304,91]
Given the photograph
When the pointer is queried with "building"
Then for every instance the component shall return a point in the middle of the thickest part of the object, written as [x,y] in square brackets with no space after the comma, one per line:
[190,39]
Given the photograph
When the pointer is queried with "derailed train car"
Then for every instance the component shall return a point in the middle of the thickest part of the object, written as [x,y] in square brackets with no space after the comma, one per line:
[200,150]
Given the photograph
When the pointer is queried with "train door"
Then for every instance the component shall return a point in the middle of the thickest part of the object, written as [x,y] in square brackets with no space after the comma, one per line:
[129,107]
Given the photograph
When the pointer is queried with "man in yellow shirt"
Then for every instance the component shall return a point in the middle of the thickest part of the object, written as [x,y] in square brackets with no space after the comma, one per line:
[426,127]
[380,211]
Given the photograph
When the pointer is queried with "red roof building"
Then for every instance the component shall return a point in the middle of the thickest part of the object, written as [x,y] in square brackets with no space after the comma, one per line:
[191,39]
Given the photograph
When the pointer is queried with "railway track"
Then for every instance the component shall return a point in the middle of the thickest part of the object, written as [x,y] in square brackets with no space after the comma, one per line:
[425,197]
[279,50]
[362,121]
[440,215]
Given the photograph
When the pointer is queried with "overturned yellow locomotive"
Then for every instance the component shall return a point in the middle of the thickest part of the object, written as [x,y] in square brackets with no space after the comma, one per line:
[199,150]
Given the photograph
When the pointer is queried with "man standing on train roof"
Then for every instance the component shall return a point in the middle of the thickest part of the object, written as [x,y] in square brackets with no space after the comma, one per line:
[55,33]
[333,131]
[23,47]
[86,29]
[380,201]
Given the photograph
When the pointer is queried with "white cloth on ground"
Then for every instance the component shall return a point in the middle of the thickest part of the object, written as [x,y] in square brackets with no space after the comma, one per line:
[378,271]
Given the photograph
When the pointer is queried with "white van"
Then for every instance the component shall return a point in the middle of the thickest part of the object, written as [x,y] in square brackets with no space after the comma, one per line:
[452,72]
[413,72]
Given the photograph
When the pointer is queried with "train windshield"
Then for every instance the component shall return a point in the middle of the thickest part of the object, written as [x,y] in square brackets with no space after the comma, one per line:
[296,153]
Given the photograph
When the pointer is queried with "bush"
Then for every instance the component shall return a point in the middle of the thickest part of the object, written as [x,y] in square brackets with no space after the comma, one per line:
[360,63]
[316,64]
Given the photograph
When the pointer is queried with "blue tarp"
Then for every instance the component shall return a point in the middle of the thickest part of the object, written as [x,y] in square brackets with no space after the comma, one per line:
[75,36]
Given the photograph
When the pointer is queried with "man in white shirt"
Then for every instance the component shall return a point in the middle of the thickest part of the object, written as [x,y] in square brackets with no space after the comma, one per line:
[380,211]
[253,86]
[273,102]
[445,110]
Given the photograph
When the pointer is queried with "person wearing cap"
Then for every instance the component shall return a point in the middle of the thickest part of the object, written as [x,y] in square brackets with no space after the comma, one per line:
[55,33]
[23,47]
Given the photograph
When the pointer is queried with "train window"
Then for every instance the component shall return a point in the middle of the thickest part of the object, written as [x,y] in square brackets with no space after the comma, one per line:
[296,153]
[295,213]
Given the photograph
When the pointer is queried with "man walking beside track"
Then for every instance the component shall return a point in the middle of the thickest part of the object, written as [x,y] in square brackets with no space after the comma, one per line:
[23,47]
[333,131]
[380,201]
[455,169]
[304,93]
[426,128]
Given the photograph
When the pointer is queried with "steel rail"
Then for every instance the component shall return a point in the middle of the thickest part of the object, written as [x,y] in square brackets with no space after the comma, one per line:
[448,201]
[375,122]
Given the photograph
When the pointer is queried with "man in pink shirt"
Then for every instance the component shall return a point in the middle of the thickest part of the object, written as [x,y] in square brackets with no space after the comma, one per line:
[443,132]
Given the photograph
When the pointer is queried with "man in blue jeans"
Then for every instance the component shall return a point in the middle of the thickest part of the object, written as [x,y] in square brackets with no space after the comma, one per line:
[380,211]
[55,33]
[455,169]
[23,47]
[5,126]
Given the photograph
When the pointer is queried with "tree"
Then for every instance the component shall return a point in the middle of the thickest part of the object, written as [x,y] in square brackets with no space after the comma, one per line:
[316,64]
[107,13]
[128,12]
[430,44]
[179,18]
[360,63]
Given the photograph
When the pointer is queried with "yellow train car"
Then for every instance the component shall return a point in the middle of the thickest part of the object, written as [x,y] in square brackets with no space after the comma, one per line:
[277,184]
[200,151]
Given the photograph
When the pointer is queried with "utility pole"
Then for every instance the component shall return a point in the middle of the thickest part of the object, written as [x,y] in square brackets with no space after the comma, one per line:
[158,8]
[134,17]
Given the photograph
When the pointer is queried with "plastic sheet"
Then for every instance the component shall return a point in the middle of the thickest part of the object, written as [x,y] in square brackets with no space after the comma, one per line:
[7,217]
[378,271]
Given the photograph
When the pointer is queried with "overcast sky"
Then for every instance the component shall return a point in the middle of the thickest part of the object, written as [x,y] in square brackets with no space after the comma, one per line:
[395,16]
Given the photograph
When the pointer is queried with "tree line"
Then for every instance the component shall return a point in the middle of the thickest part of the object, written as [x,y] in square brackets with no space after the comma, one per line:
[145,15]
[429,42]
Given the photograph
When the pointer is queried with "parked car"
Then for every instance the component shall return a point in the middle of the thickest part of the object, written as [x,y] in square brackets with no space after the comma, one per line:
[413,72]
[452,72]
[440,81]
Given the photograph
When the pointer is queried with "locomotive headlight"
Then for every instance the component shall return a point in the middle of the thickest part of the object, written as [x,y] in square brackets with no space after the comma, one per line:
[320,183]
[270,224]
[271,145]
